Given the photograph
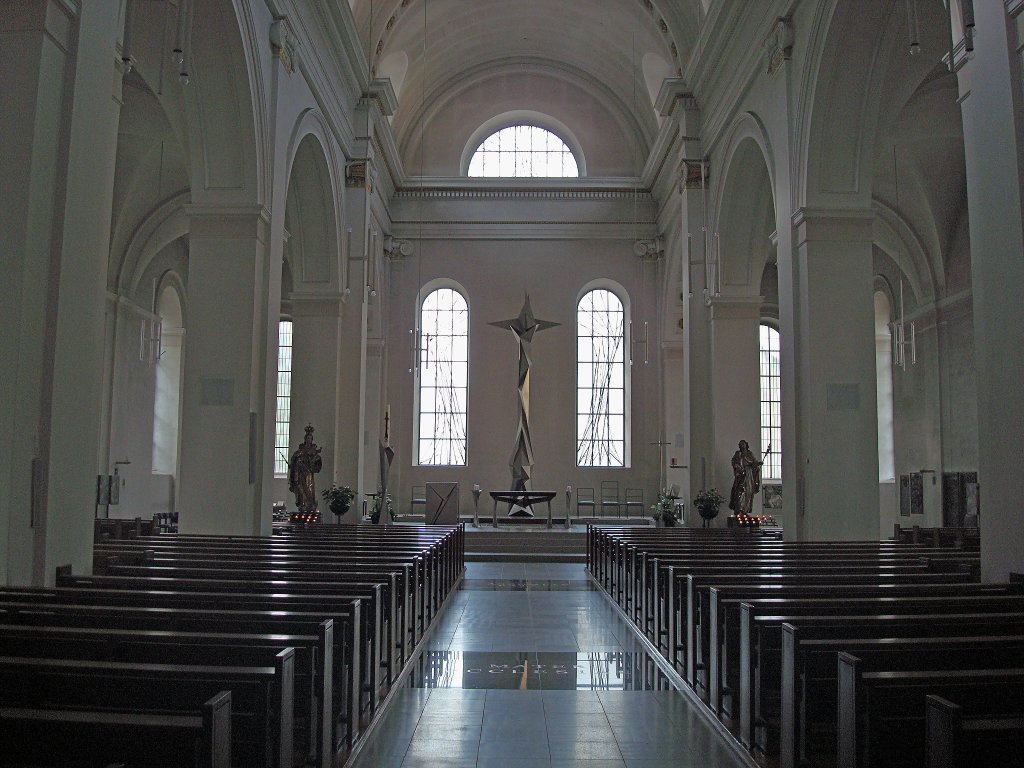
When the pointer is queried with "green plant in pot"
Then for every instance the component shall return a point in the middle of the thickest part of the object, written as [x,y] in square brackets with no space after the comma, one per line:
[707,503]
[380,502]
[665,509]
[339,498]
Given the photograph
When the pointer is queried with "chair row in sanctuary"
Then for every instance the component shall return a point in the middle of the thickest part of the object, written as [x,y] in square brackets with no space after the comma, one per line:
[285,643]
[825,653]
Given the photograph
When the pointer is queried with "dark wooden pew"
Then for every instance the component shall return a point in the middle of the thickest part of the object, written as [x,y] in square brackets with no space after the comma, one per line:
[261,697]
[881,714]
[719,642]
[761,642]
[313,662]
[346,704]
[214,593]
[807,684]
[694,611]
[81,738]
[725,642]
[410,590]
[397,635]
[976,738]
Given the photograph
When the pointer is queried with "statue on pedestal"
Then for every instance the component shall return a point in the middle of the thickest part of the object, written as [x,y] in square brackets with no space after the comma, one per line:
[746,482]
[305,463]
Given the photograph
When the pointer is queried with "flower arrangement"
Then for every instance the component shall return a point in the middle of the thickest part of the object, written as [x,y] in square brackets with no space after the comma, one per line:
[338,498]
[708,501]
[665,509]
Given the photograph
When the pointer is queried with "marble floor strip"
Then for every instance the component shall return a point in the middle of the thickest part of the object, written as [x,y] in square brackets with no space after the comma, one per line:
[531,667]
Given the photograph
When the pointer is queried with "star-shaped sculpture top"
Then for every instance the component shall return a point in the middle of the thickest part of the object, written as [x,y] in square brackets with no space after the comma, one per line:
[526,325]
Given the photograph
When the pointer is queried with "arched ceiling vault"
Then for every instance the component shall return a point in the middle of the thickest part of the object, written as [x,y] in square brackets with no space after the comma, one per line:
[444,38]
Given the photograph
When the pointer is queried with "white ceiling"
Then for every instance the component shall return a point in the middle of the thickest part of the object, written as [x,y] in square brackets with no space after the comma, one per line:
[430,48]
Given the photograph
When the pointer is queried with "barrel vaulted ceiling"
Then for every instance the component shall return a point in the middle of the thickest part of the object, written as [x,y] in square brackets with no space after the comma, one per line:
[618,51]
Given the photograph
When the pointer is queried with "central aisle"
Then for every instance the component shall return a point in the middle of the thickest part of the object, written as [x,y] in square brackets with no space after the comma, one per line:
[531,667]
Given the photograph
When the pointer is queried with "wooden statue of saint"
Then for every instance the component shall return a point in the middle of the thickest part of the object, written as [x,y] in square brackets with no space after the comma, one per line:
[305,463]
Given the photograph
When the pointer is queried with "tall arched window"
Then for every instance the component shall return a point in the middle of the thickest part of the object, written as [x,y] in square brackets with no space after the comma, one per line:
[283,416]
[443,378]
[167,398]
[771,403]
[600,380]
[523,151]
[883,373]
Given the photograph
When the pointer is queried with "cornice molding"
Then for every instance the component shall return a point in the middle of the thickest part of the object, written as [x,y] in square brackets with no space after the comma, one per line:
[521,193]
[626,231]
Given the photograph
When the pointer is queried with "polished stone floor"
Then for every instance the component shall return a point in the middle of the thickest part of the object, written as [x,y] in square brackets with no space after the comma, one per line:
[531,667]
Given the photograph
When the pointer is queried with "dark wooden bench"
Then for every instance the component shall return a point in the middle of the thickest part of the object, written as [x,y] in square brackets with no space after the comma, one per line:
[81,738]
[313,662]
[881,714]
[761,642]
[261,697]
[975,738]
[214,594]
[807,684]
[726,637]
[346,704]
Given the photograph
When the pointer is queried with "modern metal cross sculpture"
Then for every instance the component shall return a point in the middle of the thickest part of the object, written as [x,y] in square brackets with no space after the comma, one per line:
[524,327]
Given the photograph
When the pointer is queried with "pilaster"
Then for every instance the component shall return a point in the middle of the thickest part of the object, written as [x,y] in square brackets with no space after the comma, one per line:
[61,96]
[224,414]
[992,106]
[735,380]
[836,446]
[316,364]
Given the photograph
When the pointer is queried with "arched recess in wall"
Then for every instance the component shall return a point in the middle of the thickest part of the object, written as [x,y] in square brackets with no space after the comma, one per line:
[225,105]
[741,240]
[311,219]
[169,308]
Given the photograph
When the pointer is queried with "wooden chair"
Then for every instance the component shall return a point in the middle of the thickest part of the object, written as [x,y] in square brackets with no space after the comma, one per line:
[635,501]
[585,501]
[610,496]
[419,498]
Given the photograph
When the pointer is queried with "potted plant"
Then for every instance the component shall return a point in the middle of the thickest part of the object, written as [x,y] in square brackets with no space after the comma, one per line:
[380,502]
[707,503]
[665,509]
[338,498]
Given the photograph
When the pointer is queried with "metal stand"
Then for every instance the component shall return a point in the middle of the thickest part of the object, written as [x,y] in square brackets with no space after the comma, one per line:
[568,503]
[476,507]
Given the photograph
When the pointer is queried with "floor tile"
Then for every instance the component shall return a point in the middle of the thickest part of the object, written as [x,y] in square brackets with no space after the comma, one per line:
[531,667]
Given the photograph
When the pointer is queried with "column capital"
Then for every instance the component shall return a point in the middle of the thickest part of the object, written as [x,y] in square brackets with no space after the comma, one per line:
[844,225]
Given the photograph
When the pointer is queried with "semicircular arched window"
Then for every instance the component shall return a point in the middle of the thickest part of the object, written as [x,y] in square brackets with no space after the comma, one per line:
[523,151]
